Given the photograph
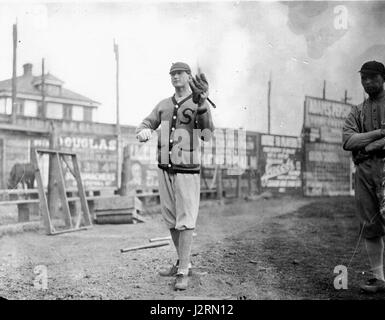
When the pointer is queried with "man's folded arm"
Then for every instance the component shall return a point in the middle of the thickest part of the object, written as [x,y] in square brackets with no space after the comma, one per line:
[353,140]
[375,145]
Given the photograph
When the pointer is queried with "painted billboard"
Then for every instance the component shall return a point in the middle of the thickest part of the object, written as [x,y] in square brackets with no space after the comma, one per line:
[327,167]
[97,157]
[141,165]
[280,162]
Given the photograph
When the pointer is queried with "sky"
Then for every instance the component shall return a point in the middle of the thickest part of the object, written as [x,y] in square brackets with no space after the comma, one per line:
[238,45]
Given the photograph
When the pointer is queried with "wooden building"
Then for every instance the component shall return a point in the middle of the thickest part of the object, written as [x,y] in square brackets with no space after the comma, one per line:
[60,103]
[70,113]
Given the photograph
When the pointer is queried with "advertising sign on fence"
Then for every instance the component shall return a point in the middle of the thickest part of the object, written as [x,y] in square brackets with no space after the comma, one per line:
[327,167]
[327,170]
[97,157]
[141,162]
[280,159]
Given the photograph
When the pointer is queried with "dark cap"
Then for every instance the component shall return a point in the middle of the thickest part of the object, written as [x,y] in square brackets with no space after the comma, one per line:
[180,66]
[373,67]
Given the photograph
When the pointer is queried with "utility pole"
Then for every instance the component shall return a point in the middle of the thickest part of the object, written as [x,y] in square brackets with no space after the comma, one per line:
[324,91]
[346,98]
[118,133]
[14,105]
[43,111]
[269,105]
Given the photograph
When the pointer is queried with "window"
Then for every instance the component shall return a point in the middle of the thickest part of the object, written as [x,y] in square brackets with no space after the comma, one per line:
[52,90]
[54,110]
[6,105]
[77,113]
[19,107]
[30,108]
[40,111]
[87,114]
[68,112]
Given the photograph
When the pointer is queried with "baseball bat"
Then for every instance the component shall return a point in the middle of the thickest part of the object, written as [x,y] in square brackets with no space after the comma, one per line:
[164,238]
[212,103]
[146,246]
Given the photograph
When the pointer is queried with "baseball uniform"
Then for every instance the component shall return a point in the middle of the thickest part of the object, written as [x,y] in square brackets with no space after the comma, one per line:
[367,118]
[179,158]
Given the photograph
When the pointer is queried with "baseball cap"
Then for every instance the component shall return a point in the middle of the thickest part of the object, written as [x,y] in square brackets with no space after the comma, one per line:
[373,67]
[180,66]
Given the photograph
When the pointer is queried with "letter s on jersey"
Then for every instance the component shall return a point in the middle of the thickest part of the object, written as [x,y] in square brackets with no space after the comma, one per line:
[187,115]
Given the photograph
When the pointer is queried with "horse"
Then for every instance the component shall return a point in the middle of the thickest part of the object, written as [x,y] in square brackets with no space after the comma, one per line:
[23,173]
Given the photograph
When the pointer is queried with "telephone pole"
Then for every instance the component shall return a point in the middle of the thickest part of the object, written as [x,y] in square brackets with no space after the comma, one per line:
[14,105]
[43,111]
[118,133]
[324,91]
[269,105]
[346,98]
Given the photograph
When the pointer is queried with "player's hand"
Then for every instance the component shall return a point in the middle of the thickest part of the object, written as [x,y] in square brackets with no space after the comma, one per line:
[375,145]
[144,135]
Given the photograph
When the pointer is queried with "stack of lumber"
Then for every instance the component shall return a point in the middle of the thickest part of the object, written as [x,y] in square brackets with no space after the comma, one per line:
[117,210]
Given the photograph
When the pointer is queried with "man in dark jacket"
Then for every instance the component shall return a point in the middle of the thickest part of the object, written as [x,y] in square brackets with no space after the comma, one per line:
[364,135]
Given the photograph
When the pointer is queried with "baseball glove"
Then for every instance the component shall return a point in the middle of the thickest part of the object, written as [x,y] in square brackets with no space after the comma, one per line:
[200,88]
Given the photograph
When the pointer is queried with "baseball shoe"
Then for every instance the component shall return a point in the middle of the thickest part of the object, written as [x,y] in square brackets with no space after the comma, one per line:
[173,270]
[373,286]
[170,271]
[181,282]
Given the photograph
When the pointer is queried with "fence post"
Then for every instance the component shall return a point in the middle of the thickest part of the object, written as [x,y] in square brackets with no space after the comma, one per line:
[219,183]
[53,198]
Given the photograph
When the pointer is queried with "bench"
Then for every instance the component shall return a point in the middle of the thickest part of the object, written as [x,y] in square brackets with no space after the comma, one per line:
[28,207]
[209,193]
[25,208]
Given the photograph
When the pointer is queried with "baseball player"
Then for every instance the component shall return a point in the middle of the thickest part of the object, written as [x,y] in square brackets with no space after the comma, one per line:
[179,117]
[363,134]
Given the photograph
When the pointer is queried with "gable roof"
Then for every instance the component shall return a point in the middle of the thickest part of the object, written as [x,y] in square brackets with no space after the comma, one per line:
[27,84]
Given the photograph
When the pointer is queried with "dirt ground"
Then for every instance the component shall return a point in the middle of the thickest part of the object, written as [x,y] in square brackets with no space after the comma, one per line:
[280,248]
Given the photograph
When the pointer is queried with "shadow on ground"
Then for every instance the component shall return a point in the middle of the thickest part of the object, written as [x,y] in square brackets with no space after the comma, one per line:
[293,256]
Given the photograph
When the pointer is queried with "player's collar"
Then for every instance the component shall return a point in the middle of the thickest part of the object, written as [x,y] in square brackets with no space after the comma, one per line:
[181,101]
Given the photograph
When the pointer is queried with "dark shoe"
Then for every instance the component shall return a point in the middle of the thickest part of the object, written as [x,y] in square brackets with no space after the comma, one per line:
[169,272]
[181,282]
[173,270]
[373,286]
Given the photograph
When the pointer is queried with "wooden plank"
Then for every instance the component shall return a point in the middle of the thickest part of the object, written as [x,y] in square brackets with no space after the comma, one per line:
[53,151]
[112,212]
[112,219]
[19,191]
[147,194]
[83,201]
[62,191]
[146,246]
[57,156]
[70,230]
[16,202]
[91,198]
[43,199]
[219,183]
[115,203]
[238,190]
[214,190]
[138,204]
